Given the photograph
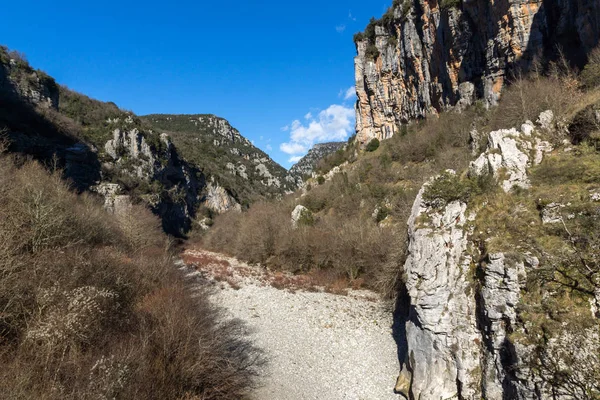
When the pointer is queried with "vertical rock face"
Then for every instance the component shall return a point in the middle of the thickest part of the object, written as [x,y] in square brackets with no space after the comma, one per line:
[422,58]
[462,302]
[441,330]
[175,187]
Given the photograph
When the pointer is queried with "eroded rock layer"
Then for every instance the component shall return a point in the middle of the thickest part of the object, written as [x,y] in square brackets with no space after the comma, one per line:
[426,56]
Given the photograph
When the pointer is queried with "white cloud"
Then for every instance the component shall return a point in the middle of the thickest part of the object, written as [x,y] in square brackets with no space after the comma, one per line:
[292,148]
[269,147]
[351,16]
[340,28]
[285,128]
[308,116]
[349,93]
[294,159]
[334,123]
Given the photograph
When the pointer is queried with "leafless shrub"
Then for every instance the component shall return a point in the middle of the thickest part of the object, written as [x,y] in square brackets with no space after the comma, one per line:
[91,306]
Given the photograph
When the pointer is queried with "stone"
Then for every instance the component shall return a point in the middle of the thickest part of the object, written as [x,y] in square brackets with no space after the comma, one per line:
[527,128]
[551,214]
[219,200]
[546,120]
[508,156]
[503,154]
[300,212]
[402,386]
[433,59]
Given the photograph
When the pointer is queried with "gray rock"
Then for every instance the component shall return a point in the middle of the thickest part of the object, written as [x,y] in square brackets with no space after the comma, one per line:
[442,327]
[219,200]
[551,214]
[433,59]
[300,212]
[546,120]
[508,156]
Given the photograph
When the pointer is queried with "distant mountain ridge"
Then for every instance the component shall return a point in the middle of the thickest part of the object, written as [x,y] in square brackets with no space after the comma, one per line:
[220,151]
[307,164]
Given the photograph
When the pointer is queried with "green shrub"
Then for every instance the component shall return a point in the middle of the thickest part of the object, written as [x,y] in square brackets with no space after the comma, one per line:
[358,37]
[388,18]
[382,213]
[372,52]
[372,145]
[590,76]
[320,180]
[447,4]
[370,30]
[406,7]
[449,187]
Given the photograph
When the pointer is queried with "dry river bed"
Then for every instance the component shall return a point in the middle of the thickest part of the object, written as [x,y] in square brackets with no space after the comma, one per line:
[318,345]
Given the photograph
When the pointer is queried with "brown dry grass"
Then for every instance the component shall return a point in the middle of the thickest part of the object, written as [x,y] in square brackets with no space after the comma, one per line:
[92,307]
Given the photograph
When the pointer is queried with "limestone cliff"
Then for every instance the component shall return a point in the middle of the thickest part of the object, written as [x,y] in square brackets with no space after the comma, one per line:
[464,330]
[425,56]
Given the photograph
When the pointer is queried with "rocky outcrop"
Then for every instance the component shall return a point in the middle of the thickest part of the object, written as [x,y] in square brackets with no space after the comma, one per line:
[307,164]
[461,301]
[511,152]
[19,81]
[174,188]
[219,200]
[424,58]
[441,328]
[219,150]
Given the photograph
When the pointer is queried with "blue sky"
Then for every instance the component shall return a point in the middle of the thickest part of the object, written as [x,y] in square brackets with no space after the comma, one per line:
[280,72]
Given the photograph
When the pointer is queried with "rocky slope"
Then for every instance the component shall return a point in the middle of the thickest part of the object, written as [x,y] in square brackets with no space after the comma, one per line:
[425,56]
[467,296]
[306,165]
[220,151]
[205,164]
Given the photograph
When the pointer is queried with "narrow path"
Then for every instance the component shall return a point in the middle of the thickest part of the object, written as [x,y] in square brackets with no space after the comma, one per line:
[320,346]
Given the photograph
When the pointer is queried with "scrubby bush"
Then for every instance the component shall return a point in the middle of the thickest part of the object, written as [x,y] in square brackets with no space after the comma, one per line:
[372,145]
[372,52]
[528,96]
[92,306]
[358,37]
[590,76]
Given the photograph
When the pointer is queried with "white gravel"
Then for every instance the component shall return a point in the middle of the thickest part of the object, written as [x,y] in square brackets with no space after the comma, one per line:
[319,345]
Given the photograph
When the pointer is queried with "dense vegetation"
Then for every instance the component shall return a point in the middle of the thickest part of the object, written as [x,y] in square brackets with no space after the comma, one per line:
[92,307]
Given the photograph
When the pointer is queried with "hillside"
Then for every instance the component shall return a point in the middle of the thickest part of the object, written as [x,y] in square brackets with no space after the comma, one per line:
[221,152]
[307,164]
[93,306]
[205,167]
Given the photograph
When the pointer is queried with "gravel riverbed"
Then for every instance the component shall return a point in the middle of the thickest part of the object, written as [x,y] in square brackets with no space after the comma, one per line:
[318,345]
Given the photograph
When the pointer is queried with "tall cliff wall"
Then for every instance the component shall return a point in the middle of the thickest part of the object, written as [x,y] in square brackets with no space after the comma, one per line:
[425,56]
